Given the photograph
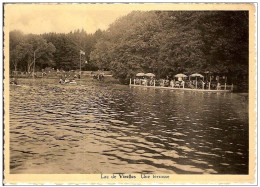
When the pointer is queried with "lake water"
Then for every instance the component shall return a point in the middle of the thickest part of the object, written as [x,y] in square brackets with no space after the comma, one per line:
[95,128]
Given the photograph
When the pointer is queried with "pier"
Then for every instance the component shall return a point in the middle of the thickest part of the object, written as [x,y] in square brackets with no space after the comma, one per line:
[220,89]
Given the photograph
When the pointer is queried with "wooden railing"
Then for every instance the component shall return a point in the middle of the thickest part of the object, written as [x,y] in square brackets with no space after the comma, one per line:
[144,82]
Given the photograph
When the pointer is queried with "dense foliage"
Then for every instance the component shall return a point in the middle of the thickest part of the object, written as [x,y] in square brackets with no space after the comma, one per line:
[55,50]
[161,42]
[25,49]
[171,42]
[68,46]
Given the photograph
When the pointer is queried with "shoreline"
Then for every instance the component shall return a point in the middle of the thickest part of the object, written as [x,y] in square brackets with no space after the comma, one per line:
[109,79]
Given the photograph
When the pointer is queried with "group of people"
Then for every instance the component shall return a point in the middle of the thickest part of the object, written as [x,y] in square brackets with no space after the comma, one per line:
[99,77]
[180,83]
[68,79]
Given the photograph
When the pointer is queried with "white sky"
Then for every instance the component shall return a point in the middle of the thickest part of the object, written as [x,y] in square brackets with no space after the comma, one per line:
[61,18]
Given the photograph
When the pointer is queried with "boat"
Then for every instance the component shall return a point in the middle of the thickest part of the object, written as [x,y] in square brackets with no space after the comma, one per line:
[73,82]
[13,84]
[66,82]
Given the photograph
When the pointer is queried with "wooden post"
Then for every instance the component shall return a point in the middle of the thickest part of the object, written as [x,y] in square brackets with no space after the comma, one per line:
[209,81]
[183,84]
[196,83]
[225,86]
[154,82]
[232,87]
[134,81]
[203,85]
[130,81]
[163,82]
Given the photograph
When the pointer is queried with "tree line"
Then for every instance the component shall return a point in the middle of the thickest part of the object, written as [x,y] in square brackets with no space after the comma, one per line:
[161,42]
[169,42]
[53,50]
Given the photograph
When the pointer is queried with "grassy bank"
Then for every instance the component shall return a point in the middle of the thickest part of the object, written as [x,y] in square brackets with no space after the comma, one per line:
[108,79]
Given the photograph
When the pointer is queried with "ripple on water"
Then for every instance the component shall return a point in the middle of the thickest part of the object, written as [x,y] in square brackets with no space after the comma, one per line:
[97,128]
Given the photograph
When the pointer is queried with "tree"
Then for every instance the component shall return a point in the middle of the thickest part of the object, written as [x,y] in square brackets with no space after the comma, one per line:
[68,46]
[128,46]
[171,42]
[15,37]
[161,42]
[28,50]
[38,48]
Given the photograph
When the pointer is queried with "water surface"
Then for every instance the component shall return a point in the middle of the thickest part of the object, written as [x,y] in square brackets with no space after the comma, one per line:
[99,128]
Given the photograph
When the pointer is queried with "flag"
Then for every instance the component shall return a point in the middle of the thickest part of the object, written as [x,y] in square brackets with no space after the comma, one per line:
[82,52]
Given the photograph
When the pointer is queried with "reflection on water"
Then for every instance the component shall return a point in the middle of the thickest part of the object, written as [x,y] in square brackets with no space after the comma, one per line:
[99,128]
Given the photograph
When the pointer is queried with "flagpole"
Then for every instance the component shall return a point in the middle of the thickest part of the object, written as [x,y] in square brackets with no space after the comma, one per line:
[80,53]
